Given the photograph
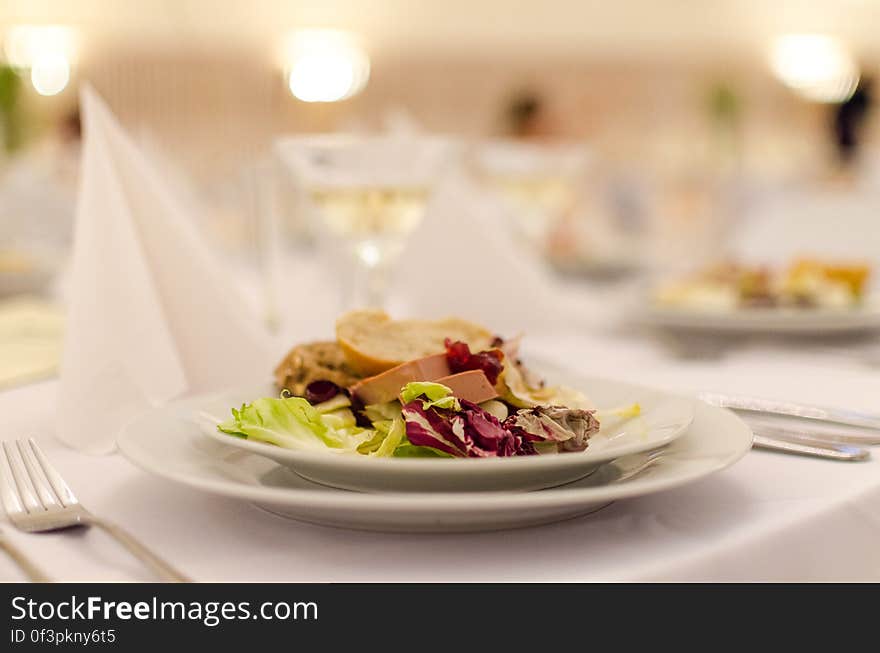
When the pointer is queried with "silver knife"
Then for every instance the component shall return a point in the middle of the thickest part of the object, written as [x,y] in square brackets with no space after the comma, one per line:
[831,451]
[792,409]
[789,431]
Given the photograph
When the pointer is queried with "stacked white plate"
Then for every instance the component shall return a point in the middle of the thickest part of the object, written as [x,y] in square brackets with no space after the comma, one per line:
[175,442]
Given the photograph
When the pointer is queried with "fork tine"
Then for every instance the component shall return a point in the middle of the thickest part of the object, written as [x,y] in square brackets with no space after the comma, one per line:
[9,493]
[68,498]
[38,478]
[26,492]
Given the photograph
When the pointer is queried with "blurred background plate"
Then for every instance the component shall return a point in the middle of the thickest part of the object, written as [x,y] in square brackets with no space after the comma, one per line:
[765,320]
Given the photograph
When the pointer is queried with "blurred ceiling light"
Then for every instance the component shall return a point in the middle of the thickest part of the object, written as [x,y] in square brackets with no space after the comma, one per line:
[47,50]
[325,65]
[50,74]
[818,67]
[24,44]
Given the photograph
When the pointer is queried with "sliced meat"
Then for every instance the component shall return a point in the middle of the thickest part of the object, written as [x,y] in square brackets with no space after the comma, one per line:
[386,386]
[472,385]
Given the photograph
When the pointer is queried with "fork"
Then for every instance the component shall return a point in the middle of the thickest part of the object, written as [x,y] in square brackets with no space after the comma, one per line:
[29,568]
[38,500]
[647,460]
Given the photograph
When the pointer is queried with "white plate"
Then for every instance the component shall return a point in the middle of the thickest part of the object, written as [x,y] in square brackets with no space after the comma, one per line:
[765,320]
[165,443]
[663,418]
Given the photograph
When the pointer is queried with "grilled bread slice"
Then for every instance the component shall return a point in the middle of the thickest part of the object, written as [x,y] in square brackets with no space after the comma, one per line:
[372,342]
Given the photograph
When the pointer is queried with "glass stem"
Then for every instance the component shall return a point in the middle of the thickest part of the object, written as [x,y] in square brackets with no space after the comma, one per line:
[371,273]
[377,286]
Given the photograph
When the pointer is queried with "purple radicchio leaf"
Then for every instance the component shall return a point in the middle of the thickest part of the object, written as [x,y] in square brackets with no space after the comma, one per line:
[570,428]
[437,428]
[487,432]
[471,432]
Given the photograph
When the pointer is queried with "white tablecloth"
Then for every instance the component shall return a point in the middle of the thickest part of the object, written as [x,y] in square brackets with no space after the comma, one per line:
[769,517]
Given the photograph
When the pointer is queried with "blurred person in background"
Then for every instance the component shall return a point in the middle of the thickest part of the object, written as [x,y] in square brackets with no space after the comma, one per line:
[849,120]
[526,117]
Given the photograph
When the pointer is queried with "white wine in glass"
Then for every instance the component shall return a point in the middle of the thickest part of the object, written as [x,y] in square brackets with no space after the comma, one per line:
[371,212]
[539,182]
[376,223]
[537,201]
[370,193]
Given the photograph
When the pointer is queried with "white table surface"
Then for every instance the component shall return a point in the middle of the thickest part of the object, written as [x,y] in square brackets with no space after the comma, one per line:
[769,517]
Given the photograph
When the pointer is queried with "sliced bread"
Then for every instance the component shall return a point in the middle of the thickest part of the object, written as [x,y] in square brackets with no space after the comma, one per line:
[372,342]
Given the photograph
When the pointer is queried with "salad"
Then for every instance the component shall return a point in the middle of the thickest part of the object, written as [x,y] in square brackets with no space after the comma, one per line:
[452,403]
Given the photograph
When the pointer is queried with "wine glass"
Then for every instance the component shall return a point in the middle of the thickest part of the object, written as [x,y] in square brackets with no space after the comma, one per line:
[368,193]
[538,181]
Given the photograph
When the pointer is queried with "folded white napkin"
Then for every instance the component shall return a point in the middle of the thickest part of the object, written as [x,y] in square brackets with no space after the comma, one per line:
[150,315]
[464,260]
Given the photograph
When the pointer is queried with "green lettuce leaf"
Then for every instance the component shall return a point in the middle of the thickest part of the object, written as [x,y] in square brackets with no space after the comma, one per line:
[436,395]
[293,423]
[382,412]
[337,402]
[396,435]
[408,450]
[373,443]
[339,419]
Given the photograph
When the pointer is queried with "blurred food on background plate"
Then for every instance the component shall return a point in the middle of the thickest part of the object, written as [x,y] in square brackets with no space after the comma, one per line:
[13,261]
[805,283]
[31,334]
[24,272]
